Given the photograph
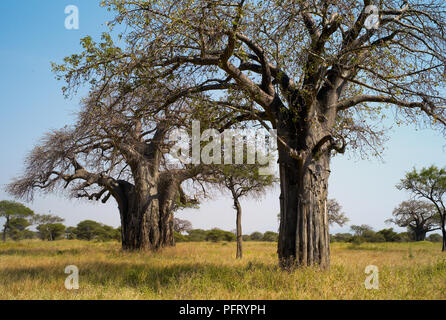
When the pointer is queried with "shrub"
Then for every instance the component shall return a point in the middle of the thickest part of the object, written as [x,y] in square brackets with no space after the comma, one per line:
[270,236]
[216,235]
[341,237]
[434,237]
[180,237]
[256,236]
[51,231]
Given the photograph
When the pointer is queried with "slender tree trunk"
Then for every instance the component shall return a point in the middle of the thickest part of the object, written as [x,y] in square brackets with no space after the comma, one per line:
[443,232]
[304,234]
[5,227]
[239,233]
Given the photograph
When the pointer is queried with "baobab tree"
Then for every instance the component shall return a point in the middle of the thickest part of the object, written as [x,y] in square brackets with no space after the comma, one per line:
[116,149]
[319,72]
[429,184]
[420,217]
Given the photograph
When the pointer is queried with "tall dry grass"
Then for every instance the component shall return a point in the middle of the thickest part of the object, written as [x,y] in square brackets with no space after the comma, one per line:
[35,270]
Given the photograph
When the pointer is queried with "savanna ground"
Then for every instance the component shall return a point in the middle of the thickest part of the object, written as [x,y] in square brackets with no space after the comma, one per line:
[35,270]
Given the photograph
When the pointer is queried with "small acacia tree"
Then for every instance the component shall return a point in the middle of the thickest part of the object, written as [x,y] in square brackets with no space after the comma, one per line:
[50,227]
[420,217]
[430,184]
[241,181]
[12,210]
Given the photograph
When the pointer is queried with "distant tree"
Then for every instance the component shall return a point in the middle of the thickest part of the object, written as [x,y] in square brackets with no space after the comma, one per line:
[435,237]
[180,237]
[88,230]
[246,237]
[256,236]
[365,233]
[17,229]
[430,184]
[389,235]
[242,180]
[70,233]
[181,226]
[361,230]
[197,235]
[270,236]
[108,233]
[45,219]
[50,227]
[405,237]
[51,231]
[419,217]
[335,214]
[10,210]
[216,235]
[342,237]
[92,230]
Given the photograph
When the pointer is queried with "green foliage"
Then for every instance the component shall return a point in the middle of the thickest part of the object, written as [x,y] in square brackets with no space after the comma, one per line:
[15,224]
[270,236]
[180,237]
[435,237]
[14,209]
[342,237]
[17,229]
[389,235]
[51,231]
[216,235]
[92,230]
[246,237]
[197,235]
[70,233]
[256,236]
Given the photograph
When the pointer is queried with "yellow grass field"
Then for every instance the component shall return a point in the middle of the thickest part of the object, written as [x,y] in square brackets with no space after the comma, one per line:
[35,270]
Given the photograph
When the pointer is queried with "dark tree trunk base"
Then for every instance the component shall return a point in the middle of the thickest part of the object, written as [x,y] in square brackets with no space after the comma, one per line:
[304,235]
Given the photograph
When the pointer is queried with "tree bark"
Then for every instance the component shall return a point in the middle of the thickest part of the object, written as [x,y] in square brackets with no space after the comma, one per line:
[239,233]
[5,227]
[420,234]
[443,232]
[304,234]
[168,190]
[140,216]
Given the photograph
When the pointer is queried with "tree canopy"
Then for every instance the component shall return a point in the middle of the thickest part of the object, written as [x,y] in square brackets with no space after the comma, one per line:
[429,184]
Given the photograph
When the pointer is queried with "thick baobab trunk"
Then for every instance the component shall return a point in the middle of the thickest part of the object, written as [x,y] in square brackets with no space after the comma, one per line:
[168,190]
[140,225]
[304,235]
[420,234]
[140,216]
[239,234]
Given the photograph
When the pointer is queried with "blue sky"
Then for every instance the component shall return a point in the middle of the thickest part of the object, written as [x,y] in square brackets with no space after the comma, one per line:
[33,34]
